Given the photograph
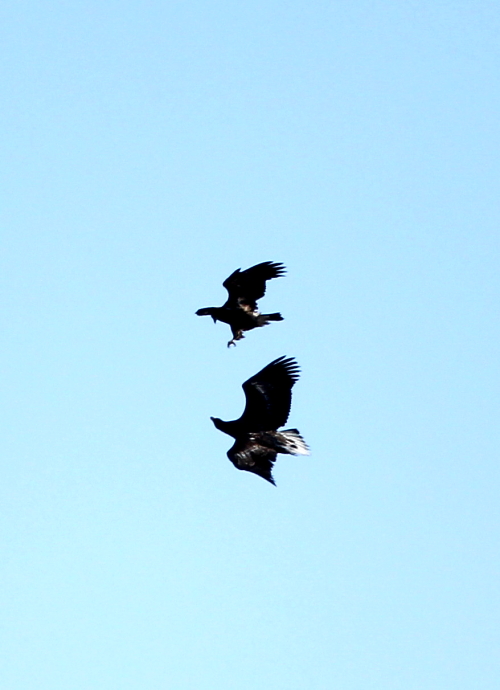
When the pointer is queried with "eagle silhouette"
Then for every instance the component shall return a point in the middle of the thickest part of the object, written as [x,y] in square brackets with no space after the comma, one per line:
[244,289]
[257,439]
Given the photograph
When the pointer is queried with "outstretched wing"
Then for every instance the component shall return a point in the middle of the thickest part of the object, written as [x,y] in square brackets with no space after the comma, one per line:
[250,456]
[269,395]
[246,287]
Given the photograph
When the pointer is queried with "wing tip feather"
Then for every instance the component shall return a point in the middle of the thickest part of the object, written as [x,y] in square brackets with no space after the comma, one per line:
[289,365]
[274,269]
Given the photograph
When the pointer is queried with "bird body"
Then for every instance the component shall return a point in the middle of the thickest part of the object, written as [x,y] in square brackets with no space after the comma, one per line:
[244,288]
[257,439]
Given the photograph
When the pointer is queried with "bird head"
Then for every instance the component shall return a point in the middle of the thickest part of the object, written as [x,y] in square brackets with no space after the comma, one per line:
[207,311]
[218,423]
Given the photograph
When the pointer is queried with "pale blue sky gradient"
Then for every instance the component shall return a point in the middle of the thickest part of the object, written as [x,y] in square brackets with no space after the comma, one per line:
[149,150]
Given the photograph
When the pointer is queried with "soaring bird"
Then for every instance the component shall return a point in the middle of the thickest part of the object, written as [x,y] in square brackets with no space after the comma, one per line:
[244,289]
[257,439]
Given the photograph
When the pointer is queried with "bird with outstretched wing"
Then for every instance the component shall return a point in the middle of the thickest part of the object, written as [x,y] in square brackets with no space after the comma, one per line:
[244,288]
[257,439]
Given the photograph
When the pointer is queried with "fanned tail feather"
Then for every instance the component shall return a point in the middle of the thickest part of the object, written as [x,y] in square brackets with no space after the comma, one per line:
[293,442]
[264,319]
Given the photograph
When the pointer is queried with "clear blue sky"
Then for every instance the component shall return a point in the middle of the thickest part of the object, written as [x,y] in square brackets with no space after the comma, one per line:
[149,149]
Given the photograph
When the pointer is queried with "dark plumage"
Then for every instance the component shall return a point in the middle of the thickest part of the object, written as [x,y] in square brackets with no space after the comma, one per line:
[268,399]
[244,289]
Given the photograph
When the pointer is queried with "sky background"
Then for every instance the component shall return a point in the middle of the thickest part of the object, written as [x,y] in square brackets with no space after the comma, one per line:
[151,148]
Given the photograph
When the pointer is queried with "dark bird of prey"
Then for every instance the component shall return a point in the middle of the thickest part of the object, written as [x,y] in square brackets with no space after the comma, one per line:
[244,289]
[268,399]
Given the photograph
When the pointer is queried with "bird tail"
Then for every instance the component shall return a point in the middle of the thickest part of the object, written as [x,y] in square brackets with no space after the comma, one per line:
[291,442]
[264,319]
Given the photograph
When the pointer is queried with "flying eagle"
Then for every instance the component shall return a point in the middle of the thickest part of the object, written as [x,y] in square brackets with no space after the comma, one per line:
[244,289]
[268,399]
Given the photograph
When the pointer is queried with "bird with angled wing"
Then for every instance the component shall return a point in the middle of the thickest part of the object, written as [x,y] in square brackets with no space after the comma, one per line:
[257,439]
[244,289]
